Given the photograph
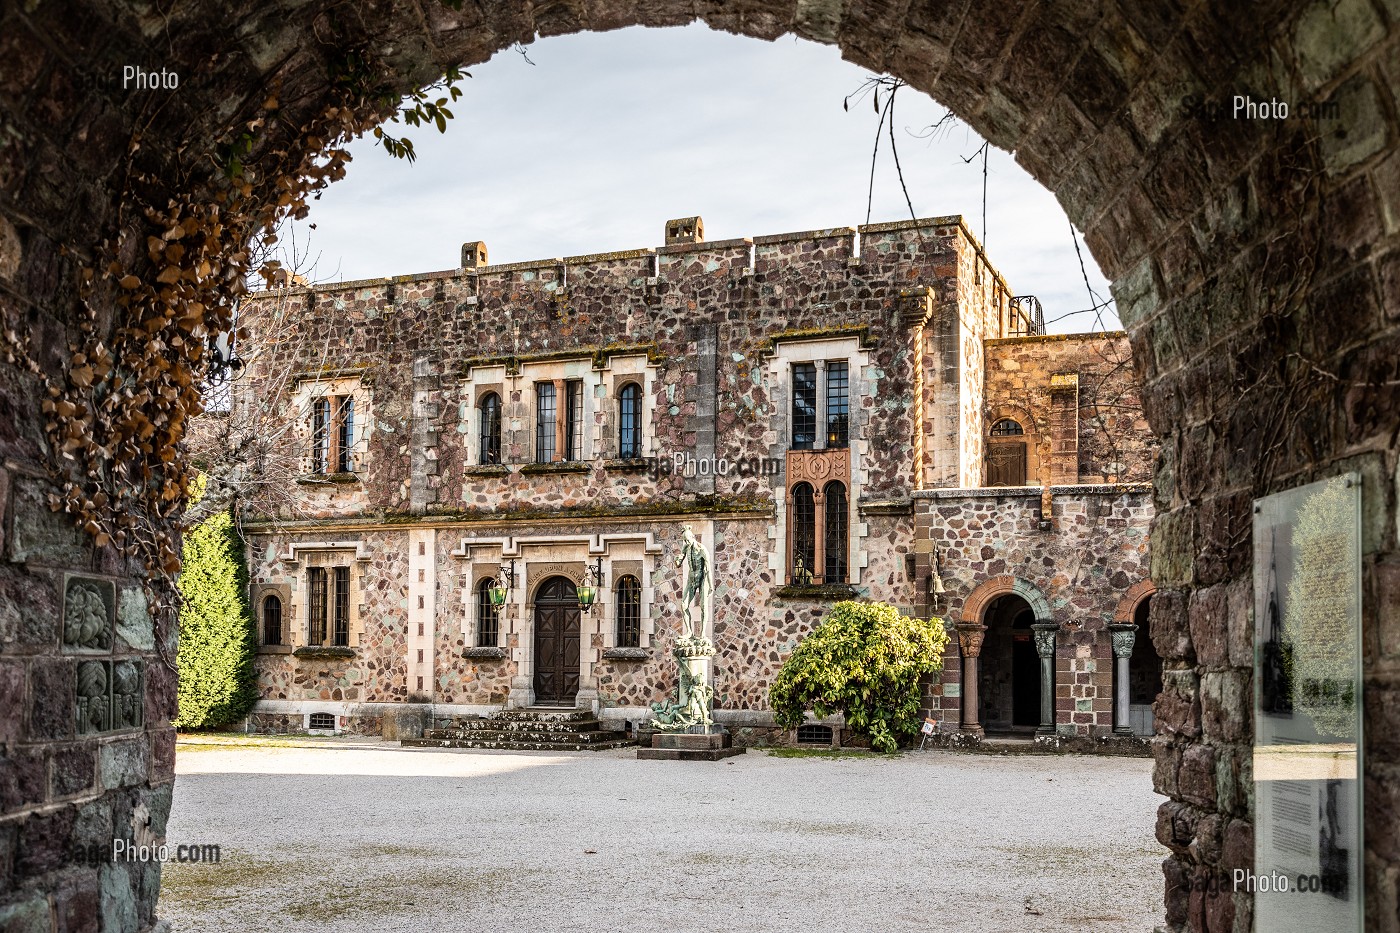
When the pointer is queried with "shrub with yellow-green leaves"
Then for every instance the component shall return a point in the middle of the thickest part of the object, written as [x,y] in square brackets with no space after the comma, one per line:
[865,662]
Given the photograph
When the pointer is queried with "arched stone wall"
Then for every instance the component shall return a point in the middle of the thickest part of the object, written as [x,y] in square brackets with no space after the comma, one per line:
[1256,265]
[975,606]
[1127,606]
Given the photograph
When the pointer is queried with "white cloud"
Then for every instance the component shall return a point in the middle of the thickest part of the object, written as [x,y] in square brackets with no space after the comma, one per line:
[608,135]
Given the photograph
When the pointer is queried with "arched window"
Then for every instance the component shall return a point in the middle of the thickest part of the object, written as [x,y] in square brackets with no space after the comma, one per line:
[629,611]
[272,620]
[629,422]
[1007,427]
[835,532]
[804,535]
[490,428]
[488,617]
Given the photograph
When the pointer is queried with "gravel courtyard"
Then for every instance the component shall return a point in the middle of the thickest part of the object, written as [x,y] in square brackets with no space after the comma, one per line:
[340,836]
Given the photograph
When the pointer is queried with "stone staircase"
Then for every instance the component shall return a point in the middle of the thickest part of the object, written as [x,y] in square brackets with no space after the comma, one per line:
[526,730]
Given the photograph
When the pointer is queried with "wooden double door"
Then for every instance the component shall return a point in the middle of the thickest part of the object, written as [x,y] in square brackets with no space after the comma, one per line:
[557,646]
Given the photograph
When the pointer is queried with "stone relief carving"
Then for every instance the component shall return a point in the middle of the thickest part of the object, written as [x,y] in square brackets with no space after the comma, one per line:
[94,708]
[128,701]
[1123,641]
[88,611]
[1045,642]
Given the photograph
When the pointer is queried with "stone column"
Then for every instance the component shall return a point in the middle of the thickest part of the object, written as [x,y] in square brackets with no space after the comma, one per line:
[1123,635]
[1045,647]
[970,641]
[819,438]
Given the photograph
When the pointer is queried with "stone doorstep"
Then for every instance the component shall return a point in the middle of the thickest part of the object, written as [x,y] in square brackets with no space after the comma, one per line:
[544,715]
[524,725]
[688,754]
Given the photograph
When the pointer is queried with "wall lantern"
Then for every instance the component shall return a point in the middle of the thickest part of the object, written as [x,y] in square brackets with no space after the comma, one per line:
[592,583]
[502,585]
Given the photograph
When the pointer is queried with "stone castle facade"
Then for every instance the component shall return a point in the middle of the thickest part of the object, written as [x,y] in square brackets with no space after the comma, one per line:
[847,413]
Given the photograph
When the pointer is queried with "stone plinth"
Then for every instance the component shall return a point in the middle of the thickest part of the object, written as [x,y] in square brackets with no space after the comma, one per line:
[690,746]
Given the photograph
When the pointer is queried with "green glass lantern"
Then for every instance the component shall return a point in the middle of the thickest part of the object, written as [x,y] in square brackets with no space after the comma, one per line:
[587,596]
[498,594]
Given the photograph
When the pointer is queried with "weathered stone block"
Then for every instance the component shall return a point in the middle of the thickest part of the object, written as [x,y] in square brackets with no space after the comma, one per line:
[52,687]
[41,535]
[22,782]
[1362,129]
[1196,779]
[30,915]
[73,769]
[134,625]
[44,840]
[1207,616]
[1227,708]
[77,903]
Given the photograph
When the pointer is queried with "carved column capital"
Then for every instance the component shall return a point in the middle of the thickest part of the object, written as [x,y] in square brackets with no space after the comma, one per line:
[1045,638]
[970,636]
[1123,634]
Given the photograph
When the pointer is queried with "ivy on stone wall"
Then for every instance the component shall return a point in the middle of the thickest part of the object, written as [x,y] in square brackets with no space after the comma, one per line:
[865,661]
[218,638]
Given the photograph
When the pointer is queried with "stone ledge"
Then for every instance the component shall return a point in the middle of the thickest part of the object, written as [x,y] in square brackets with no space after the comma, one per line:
[486,654]
[320,479]
[324,652]
[563,466]
[626,654]
[827,591]
[486,469]
[995,492]
[627,465]
[274,649]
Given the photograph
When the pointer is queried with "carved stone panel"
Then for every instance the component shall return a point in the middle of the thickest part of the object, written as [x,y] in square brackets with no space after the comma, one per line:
[89,614]
[94,702]
[818,466]
[128,699]
[110,696]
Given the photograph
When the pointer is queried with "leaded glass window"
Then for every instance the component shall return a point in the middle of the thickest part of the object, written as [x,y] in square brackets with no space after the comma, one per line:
[629,411]
[838,404]
[545,414]
[573,422]
[804,534]
[272,620]
[490,428]
[629,612]
[488,617]
[835,532]
[804,406]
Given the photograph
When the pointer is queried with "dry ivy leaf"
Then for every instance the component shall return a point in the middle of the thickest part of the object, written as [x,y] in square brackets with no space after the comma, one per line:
[129,282]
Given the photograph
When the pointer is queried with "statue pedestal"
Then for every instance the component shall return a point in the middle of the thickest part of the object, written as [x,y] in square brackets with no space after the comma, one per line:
[690,746]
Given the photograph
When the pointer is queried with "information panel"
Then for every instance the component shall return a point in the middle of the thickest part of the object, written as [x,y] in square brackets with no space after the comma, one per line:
[1307,710]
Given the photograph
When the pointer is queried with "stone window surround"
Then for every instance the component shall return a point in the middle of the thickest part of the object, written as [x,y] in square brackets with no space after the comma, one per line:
[600,405]
[307,392]
[258,594]
[538,557]
[779,382]
[327,554]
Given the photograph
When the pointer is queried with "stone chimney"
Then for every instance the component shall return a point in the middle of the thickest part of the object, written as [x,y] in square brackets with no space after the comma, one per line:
[685,230]
[473,254]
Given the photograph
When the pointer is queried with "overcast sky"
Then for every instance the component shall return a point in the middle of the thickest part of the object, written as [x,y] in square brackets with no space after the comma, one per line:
[607,135]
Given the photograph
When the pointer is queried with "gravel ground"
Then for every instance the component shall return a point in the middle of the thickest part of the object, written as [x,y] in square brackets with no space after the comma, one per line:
[338,836]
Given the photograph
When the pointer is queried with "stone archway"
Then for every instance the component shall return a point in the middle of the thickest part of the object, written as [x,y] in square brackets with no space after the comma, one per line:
[1256,265]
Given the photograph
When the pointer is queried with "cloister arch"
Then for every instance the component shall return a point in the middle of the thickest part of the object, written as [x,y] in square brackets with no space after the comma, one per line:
[1256,264]
[975,605]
